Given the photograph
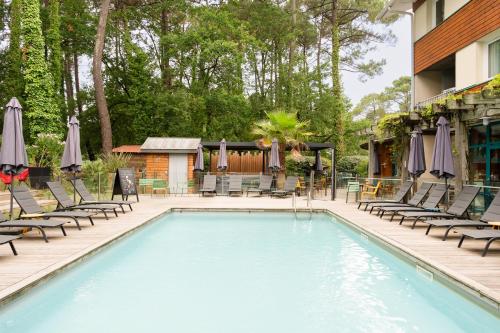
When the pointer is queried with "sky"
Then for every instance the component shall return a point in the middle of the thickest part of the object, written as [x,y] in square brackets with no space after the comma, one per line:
[398,64]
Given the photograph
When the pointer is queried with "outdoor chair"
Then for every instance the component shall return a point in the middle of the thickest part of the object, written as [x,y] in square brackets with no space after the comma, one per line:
[372,191]
[144,183]
[87,198]
[4,239]
[235,185]
[31,209]
[413,202]
[398,197]
[209,185]
[288,188]
[159,185]
[352,187]
[64,202]
[17,227]
[491,215]
[435,196]
[457,210]
[264,185]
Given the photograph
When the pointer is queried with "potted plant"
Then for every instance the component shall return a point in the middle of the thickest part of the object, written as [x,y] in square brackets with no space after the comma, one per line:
[44,156]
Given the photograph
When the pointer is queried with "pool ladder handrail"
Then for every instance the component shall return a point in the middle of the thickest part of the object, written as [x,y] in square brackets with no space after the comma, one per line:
[294,204]
[309,204]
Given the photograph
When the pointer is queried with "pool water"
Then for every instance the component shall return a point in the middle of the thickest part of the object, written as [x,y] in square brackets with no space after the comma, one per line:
[244,272]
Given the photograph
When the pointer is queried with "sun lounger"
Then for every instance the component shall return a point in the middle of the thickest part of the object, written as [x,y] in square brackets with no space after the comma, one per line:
[288,188]
[235,182]
[4,239]
[398,197]
[17,226]
[492,214]
[31,209]
[209,184]
[413,202]
[87,197]
[457,210]
[264,185]
[430,204]
[64,202]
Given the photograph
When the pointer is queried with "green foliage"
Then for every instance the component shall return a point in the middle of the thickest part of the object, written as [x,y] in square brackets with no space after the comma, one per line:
[13,84]
[493,87]
[353,164]
[300,165]
[393,126]
[53,38]
[42,111]
[46,151]
[112,162]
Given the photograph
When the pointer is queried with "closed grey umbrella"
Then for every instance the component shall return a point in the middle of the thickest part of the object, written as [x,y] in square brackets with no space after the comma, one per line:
[71,161]
[274,161]
[416,158]
[222,160]
[442,156]
[198,163]
[319,165]
[375,162]
[13,157]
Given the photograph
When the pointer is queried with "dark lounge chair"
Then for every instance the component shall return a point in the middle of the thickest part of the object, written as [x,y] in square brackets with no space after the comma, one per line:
[64,202]
[264,185]
[430,204]
[413,202]
[398,197]
[457,210]
[235,182]
[31,209]
[209,184]
[490,235]
[87,198]
[4,239]
[492,214]
[288,188]
[17,226]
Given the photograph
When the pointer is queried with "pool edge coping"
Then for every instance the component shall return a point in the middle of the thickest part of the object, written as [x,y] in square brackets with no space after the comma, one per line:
[469,288]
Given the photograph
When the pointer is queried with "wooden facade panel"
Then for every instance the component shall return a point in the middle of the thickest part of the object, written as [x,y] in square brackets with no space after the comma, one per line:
[473,21]
[244,163]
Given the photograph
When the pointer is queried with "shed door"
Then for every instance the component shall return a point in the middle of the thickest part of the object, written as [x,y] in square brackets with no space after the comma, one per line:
[177,173]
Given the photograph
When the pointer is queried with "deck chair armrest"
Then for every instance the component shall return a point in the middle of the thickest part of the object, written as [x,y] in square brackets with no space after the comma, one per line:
[28,216]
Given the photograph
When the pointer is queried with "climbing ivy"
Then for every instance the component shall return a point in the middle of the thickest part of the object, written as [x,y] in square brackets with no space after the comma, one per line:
[13,81]
[42,111]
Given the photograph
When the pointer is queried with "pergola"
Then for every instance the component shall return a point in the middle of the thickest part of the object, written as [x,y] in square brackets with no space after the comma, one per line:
[253,146]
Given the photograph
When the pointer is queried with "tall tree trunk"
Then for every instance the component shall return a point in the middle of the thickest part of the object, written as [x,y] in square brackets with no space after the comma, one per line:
[337,85]
[291,51]
[165,59]
[102,106]
[77,83]
[68,81]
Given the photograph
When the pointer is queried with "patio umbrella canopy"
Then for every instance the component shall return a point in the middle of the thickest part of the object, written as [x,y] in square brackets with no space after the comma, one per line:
[319,165]
[416,158]
[13,157]
[198,163]
[274,161]
[71,161]
[222,160]
[442,157]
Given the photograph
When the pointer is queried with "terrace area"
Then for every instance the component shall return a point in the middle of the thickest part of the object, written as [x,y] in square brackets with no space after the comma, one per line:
[38,260]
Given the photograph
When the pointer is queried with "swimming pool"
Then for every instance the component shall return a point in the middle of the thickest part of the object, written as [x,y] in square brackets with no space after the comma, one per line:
[243,272]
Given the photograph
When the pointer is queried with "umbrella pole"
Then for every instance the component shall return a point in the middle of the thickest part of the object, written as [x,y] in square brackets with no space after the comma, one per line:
[11,197]
[74,188]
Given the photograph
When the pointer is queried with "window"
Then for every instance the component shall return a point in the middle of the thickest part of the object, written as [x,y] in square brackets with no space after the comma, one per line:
[494,58]
[439,11]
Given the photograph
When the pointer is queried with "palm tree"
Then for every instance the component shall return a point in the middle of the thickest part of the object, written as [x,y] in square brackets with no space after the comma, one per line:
[286,128]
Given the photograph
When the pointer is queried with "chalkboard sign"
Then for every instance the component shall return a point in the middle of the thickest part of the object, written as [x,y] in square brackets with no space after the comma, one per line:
[124,184]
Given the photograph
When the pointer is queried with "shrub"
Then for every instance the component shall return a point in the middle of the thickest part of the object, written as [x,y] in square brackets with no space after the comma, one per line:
[115,161]
[353,164]
[46,151]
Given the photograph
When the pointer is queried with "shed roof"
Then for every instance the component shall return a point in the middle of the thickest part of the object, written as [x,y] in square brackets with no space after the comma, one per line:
[127,149]
[170,145]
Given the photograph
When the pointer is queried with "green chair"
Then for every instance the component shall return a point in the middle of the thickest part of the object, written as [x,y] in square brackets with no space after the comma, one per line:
[159,185]
[144,183]
[352,187]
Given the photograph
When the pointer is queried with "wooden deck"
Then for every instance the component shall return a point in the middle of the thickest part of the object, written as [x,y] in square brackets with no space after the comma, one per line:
[37,259]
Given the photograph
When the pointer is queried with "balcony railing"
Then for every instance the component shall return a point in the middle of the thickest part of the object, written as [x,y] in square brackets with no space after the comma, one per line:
[434,99]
